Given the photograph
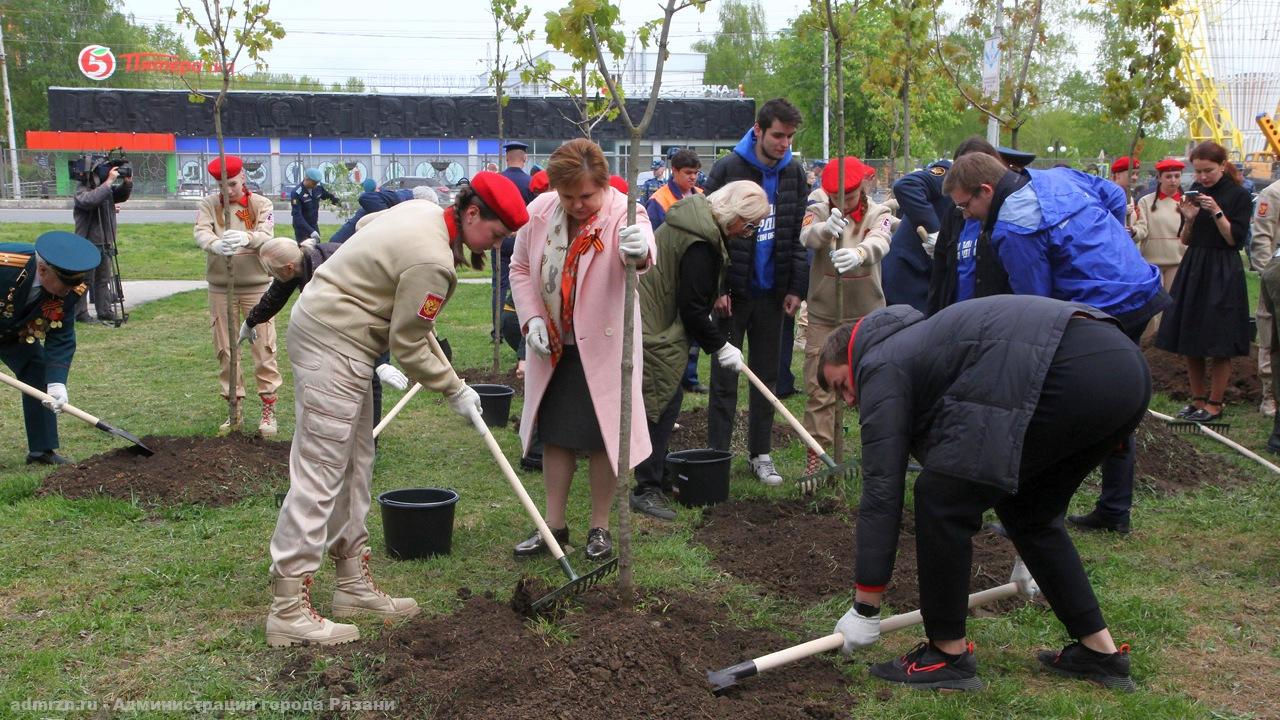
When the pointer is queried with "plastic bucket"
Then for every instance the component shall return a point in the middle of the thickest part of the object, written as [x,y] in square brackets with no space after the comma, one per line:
[418,522]
[495,403]
[699,477]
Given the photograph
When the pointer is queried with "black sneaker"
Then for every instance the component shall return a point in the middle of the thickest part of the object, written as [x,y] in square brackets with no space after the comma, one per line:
[599,545]
[1097,521]
[1077,661]
[532,463]
[926,667]
[48,457]
[535,546]
[652,503]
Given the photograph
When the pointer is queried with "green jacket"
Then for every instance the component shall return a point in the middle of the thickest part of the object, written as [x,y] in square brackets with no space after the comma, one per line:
[666,347]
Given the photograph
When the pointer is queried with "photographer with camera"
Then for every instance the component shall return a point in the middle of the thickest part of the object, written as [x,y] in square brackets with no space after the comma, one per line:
[104,182]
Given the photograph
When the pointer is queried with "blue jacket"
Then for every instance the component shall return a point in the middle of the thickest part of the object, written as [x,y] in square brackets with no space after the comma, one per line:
[370,202]
[1058,236]
[304,204]
[521,179]
[905,270]
[23,316]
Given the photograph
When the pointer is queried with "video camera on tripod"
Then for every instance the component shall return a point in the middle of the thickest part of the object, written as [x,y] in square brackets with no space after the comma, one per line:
[92,170]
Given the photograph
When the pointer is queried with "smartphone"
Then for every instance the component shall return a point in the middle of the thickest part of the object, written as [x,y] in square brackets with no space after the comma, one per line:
[1191,195]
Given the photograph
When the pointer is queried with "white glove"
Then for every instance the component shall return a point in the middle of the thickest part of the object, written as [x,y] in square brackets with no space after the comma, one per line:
[390,375]
[729,357]
[308,243]
[58,392]
[1027,585]
[836,223]
[230,241]
[631,243]
[536,338]
[247,332]
[466,402]
[846,259]
[315,235]
[858,631]
[930,243]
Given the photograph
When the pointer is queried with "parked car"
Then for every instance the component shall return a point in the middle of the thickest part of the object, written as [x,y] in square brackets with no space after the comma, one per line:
[445,192]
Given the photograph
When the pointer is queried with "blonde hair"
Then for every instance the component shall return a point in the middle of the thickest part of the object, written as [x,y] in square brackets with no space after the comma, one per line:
[739,200]
[278,252]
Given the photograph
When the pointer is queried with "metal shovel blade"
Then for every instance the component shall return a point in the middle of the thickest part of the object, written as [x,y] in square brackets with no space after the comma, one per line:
[138,446]
[577,585]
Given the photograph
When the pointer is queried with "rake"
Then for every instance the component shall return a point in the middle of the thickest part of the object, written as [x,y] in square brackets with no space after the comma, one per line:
[835,472]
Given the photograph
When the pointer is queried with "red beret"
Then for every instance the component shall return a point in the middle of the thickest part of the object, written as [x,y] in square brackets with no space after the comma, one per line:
[539,183]
[234,166]
[1168,164]
[619,184]
[855,171]
[1122,165]
[503,198]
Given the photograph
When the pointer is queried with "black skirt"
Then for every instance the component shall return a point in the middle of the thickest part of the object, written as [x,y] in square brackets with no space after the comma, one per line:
[567,417]
[1210,312]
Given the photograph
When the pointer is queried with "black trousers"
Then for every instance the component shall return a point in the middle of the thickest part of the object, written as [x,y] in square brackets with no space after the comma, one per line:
[27,361]
[1095,394]
[650,472]
[758,321]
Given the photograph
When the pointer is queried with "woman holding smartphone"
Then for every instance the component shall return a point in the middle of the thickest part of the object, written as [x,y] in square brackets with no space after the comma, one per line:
[1210,314]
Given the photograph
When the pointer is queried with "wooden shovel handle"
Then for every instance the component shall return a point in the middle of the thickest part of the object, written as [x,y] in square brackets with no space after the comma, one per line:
[43,396]
[386,419]
[525,500]
[782,409]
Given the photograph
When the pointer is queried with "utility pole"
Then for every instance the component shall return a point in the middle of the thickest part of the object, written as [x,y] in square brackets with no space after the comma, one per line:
[826,96]
[8,114]
[993,126]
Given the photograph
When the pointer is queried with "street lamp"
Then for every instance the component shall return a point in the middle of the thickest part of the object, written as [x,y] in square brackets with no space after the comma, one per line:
[1056,147]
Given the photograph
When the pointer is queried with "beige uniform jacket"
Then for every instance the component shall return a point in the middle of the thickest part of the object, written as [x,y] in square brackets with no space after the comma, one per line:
[1266,230]
[384,289]
[250,277]
[1156,230]
[861,285]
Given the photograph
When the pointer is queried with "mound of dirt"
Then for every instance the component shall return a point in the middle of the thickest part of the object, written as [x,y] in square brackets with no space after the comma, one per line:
[184,470]
[804,553]
[484,662]
[1169,376]
[1168,463]
[692,433]
[481,376]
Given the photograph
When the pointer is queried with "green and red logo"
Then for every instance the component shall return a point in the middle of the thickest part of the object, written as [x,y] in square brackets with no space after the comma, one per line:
[97,62]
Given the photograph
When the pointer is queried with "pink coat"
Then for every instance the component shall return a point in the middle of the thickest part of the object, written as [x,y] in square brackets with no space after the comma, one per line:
[597,321]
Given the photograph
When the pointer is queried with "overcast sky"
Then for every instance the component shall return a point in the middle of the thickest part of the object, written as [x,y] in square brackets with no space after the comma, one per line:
[334,39]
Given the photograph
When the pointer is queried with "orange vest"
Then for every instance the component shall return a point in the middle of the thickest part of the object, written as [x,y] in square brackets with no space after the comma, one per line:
[666,198]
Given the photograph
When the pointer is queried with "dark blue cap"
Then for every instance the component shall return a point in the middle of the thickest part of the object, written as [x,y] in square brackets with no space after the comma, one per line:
[514,145]
[67,253]
[655,164]
[1016,157]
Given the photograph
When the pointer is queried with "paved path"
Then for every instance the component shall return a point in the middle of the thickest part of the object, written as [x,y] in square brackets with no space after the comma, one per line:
[137,292]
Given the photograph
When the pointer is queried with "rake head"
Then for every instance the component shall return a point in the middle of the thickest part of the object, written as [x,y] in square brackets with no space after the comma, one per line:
[1186,427]
[831,476]
[577,585]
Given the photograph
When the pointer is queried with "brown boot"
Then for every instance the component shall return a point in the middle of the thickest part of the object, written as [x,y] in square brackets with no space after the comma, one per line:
[293,621]
[358,593]
[267,428]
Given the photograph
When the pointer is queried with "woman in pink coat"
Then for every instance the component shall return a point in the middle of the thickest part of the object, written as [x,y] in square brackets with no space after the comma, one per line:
[567,278]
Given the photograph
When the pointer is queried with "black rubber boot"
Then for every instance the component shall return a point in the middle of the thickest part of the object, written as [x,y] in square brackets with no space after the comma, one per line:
[1097,521]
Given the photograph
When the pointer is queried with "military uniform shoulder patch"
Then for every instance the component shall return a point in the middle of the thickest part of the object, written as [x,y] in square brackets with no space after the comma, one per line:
[81,289]
[1263,207]
[937,170]
[15,260]
[431,305]
[808,219]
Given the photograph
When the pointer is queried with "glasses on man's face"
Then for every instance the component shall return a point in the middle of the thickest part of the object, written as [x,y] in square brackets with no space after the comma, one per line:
[965,205]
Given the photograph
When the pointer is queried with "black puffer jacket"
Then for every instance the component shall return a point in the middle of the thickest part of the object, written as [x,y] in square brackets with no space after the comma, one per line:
[790,261]
[957,391]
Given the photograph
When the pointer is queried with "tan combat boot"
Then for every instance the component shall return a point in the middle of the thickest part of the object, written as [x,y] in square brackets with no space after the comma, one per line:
[232,424]
[358,593]
[267,428]
[293,621]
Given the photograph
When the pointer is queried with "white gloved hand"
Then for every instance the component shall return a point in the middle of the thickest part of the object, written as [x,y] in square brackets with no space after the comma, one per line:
[846,259]
[858,631]
[729,357]
[58,392]
[230,241]
[466,402]
[536,337]
[1027,585]
[247,332]
[836,223]
[390,375]
[631,243]
[315,235]
[930,243]
[308,243]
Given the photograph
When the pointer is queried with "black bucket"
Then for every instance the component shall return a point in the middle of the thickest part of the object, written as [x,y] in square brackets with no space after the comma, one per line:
[418,522]
[495,402]
[699,477]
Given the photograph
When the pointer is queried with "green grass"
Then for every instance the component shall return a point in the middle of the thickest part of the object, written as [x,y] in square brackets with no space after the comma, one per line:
[102,599]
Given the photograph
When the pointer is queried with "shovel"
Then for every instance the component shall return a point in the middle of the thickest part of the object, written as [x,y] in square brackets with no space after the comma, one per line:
[722,680]
[834,470]
[76,412]
[386,419]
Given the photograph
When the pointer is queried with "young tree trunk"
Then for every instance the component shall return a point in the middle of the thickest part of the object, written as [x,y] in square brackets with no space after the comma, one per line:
[626,581]
[906,108]
[233,400]
[494,258]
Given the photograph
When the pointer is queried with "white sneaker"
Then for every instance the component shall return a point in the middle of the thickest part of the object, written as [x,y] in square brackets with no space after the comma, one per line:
[1268,407]
[765,472]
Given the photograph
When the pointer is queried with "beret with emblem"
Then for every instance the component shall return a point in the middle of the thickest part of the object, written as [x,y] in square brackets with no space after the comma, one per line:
[1169,164]
[503,198]
[234,166]
[855,171]
[67,253]
[1124,164]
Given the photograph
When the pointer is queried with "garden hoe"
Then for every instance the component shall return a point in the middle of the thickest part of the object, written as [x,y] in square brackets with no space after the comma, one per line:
[722,680]
[834,472]
[79,414]
[577,584]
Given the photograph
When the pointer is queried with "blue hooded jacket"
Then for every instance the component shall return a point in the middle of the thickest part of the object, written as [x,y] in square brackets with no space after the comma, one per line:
[762,267]
[1058,236]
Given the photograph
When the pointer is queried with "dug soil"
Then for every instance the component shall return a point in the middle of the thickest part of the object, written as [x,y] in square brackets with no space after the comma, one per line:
[484,661]
[804,552]
[479,376]
[184,470]
[692,433]
[1167,463]
[1169,375]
